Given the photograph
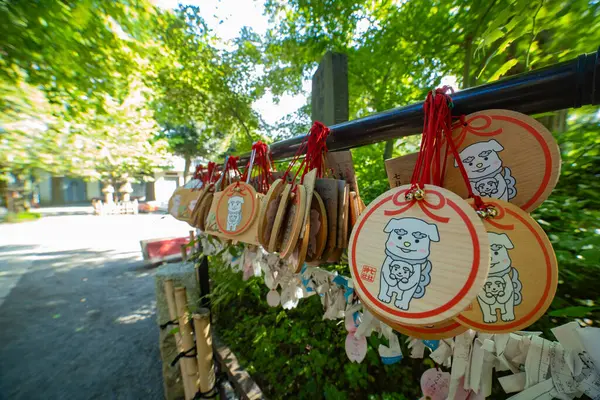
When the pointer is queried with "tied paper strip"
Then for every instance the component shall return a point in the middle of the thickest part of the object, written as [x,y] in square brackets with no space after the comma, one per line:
[356,346]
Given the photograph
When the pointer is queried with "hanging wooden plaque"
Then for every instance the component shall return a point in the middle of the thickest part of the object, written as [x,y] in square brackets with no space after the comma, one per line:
[237,208]
[418,262]
[354,209]
[328,190]
[293,222]
[275,239]
[205,205]
[507,155]
[182,202]
[342,167]
[309,185]
[523,273]
[318,229]
[400,169]
[268,210]
[440,330]
[298,256]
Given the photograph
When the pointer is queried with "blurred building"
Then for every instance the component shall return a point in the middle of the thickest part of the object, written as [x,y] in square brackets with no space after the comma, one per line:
[54,190]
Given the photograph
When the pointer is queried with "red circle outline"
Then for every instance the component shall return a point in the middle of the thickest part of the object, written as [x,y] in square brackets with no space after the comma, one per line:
[246,225]
[436,311]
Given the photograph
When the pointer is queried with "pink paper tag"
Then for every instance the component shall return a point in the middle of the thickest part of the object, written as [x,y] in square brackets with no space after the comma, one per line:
[350,322]
[435,384]
[356,348]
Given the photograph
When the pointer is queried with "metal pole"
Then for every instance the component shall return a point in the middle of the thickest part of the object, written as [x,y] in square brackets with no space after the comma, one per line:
[570,84]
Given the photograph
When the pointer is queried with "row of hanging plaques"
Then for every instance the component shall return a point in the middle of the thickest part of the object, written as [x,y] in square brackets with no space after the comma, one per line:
[450,247]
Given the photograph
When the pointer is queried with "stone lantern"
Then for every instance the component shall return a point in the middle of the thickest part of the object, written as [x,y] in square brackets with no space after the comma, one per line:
[126,191]
[108,191]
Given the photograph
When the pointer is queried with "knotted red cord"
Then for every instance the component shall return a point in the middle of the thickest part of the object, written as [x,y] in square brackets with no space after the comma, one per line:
[316,149]
[262,164]
[231,168]
[212,175]
[437,132]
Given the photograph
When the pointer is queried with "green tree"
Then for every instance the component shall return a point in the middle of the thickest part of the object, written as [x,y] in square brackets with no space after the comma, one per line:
[200,87]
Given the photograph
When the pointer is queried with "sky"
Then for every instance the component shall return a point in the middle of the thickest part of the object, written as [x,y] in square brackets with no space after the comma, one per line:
[226,18]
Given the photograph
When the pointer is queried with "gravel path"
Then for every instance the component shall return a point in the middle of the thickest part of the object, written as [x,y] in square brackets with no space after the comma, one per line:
[77,308]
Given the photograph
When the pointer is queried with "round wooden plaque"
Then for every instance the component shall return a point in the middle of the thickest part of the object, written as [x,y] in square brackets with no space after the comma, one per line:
[268,209]
[507,155]
[293,222]
[440,330]
[274,239]
[318,228]
[523,273]
[418,262]
[237,208]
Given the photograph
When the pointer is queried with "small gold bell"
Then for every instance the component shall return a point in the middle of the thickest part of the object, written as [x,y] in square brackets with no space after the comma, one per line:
[492,212]
[419,194]
[482,214]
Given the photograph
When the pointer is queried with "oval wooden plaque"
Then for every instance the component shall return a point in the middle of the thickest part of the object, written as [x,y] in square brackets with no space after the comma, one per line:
[237,208]
[204,209]
[507,155]
[274,239]
[318,229]
[523,274]
[418,262]
[293,222]
[268,209]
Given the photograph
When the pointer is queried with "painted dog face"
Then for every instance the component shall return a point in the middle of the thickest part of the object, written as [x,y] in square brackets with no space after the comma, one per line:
[481,159]
[499,245]
[487,187]
[401,271]
[234,204]
[410,238]
[494,286]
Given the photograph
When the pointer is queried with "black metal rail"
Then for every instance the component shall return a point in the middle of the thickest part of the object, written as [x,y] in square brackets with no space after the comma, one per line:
[570,84]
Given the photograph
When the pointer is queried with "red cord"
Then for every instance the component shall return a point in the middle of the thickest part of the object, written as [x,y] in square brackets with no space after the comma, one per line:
[314,146]
[437,132]
[262,165]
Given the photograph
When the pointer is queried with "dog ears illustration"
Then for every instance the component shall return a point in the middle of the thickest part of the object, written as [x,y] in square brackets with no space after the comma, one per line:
[432,232]
[501,239]
[494,145]
[413,225]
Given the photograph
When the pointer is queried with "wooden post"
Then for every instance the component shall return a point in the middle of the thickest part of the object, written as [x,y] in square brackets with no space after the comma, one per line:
[206,368]
[189,387]
[330,90]
[184,252]
[187,338]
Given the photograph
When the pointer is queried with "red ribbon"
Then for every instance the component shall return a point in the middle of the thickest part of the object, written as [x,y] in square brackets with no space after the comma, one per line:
[424,204]
[469,126]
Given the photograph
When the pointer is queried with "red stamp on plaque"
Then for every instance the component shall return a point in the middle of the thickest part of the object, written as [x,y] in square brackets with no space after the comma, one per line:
[368,273]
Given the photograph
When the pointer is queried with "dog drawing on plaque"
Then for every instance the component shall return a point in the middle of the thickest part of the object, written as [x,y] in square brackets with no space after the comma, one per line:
[234,212]
[406,270]
[485,171]
[502,289]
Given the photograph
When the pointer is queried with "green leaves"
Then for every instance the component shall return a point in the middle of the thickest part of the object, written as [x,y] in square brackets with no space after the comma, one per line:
[573,312]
